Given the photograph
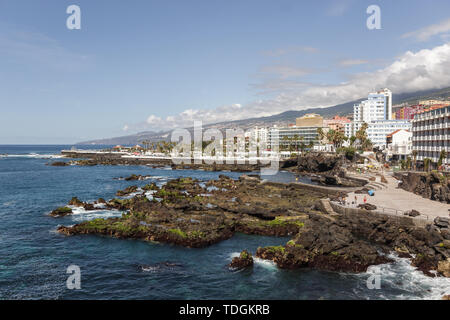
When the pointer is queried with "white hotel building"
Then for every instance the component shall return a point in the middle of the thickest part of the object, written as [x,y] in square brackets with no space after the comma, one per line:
[431,134]
[376,111]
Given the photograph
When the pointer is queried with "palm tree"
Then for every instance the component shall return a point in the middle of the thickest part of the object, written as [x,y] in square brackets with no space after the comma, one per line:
[408,163]
[442,156]
[337,138]
[321,134]
[426,164]
[414,154]
[361,135]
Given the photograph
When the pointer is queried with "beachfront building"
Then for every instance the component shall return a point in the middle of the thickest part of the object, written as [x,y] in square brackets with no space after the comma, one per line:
[258,134]
[377,131]
[431,134]
[309,120]
[292,136]
[376,111]
[378,106]
[430,103]
[337,123]
[348,129]
[399,145]
[408,112]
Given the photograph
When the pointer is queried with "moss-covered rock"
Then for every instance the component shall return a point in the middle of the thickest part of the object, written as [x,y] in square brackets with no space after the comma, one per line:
[245,260]
[61,212]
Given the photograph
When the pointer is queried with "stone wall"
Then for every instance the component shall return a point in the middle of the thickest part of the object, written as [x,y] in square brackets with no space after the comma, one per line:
[404,220]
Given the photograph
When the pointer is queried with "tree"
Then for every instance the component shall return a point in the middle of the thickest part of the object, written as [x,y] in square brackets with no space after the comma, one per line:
[321,134]
[361,136]
[414,154]
[403,164]
[302,147]
[442,156]
[408,163]
[426,164]
[337,138]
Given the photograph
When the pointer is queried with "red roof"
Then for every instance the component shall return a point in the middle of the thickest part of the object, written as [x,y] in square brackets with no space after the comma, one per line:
[392,133]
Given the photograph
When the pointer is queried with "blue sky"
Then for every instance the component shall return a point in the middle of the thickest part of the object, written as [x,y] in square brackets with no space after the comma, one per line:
[150,65]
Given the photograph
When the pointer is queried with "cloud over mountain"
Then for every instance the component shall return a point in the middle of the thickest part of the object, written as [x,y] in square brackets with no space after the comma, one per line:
[413,71]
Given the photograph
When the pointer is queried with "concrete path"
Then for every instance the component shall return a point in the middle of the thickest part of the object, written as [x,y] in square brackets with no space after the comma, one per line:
[395,200]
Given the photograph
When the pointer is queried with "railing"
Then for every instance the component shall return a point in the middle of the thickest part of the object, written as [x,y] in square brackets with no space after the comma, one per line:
[386,211]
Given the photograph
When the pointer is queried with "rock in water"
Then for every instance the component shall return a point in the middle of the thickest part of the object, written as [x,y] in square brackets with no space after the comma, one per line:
[59,164]
[126,191]
[244,260]
[61,212]
[76,202]
[135,177]
[88,207]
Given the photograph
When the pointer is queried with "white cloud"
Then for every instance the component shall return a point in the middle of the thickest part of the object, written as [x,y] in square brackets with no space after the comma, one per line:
[426,33]
[413,71]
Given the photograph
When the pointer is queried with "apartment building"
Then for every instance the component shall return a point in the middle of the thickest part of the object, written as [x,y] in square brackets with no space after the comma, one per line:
[399,145]
[377,131]
[337,123]
[258,134]
[294,135]
[309,120]
[431,134]
[378,106]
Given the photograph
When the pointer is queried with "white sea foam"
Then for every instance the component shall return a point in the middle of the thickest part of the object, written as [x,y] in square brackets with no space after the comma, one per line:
[80,214]
[267,264]
[149,269]
[33,155]
[403,276]
[159,177]
[149,194]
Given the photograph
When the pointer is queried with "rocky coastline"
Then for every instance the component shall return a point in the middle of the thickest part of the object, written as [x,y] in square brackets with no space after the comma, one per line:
[189,213]
[324,169]
[430,185]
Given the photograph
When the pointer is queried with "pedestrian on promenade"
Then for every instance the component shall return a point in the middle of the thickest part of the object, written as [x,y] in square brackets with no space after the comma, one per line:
[365,199]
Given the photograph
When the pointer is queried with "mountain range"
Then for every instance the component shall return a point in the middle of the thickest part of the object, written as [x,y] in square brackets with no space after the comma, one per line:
[280,119]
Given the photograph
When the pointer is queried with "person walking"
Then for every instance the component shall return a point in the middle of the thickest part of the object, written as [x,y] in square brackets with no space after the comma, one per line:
[365,199]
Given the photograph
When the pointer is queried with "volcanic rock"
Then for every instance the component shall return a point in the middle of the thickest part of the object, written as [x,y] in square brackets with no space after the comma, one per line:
[61,212]
[244,260]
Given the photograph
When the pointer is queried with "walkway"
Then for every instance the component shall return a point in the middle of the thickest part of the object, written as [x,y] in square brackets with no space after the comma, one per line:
[398,200]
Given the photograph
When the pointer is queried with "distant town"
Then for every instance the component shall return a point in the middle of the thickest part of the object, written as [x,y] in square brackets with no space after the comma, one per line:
[410,135]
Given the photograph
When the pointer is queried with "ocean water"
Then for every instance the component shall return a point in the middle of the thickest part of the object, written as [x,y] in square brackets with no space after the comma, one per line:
[34,258]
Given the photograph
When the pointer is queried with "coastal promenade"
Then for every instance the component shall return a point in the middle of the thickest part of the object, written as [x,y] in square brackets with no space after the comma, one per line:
[396,200]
